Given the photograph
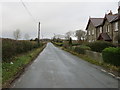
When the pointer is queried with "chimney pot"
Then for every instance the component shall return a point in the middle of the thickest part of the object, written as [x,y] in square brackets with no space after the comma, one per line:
[110,13]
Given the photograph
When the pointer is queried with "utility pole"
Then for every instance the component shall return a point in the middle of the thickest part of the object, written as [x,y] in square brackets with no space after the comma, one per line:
[39,33]
[119,23]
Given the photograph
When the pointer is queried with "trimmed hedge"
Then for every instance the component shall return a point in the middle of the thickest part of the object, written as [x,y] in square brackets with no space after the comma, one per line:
[81,49]
[111,55]
[75,44]
[11,48]
[98,46]
[58,44]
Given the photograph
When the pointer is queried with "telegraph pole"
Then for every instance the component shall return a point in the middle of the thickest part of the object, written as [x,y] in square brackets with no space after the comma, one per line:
[39,33]
[119,23]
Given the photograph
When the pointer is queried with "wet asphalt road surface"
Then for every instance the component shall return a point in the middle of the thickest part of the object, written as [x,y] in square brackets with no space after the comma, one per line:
[55,68]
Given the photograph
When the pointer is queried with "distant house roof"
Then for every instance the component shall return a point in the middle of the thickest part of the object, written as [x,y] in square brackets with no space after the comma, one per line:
[100,21]
[95,21]
[116,18]
[111,17]
[104,36]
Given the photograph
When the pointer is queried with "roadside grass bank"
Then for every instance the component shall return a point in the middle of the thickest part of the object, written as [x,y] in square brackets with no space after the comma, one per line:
[12,70]
[86,58]
[108,67]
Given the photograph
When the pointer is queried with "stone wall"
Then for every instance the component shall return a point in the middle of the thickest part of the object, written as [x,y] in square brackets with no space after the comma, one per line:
[94,55]
[91,37]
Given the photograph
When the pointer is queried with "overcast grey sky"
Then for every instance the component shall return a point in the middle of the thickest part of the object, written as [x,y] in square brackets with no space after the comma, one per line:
[55,17]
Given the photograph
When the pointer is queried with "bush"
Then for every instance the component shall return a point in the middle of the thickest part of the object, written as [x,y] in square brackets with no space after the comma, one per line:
[111,55]
[58,44]
[81,49]
[65,44]
[75,44]
[11,48]
[98,46]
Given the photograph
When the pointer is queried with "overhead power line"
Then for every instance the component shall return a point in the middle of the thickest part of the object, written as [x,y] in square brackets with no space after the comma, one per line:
[33,20]
[28,11]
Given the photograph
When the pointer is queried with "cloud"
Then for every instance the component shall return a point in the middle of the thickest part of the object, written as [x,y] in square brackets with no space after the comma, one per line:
[55,17]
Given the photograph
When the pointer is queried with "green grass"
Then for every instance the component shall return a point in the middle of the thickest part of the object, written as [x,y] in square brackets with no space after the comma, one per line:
[88,59]
[9,71]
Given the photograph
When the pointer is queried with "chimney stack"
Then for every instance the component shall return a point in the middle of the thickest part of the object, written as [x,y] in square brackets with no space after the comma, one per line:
[110,13]
[119,9]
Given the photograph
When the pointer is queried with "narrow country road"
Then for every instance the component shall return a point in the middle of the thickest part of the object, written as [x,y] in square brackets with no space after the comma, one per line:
[55,68]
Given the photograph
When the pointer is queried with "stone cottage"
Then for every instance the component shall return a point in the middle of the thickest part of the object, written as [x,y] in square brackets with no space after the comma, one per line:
[103,28]
[94,27]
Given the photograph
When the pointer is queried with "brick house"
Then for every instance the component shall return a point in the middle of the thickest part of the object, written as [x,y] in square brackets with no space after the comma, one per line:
[104,28]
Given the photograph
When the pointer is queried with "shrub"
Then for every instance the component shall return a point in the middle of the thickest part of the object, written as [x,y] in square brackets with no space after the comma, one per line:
[81,49]
[58,44]
[75,44]
[65,44]
[85,47]
[98,46]
[111,55]
[73,48]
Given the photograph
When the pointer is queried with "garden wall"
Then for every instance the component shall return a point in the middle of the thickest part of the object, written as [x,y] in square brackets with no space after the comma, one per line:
[94,55]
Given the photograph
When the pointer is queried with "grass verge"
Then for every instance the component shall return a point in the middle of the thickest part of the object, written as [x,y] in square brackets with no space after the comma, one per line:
[10,71]
[108,67]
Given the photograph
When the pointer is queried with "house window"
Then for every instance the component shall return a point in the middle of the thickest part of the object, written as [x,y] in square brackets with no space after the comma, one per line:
[108,28]
[116,26]
[100,29]
[92,31]
[88,32]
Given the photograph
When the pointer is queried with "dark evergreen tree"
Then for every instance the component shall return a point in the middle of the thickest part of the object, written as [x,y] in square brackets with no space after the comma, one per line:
[70,41]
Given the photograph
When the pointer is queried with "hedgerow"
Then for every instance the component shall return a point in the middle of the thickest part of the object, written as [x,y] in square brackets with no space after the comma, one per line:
[98,46]
[81,49]
[111,55]
[11,48]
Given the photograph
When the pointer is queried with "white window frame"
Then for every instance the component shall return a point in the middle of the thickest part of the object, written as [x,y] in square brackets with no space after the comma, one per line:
[100,29]
[93,32]
[116,26]
[89,32]
[108,29]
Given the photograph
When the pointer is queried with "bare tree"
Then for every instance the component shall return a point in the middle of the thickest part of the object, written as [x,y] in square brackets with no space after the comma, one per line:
[80,34]
[17,34]
[26,36]
[68,35]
